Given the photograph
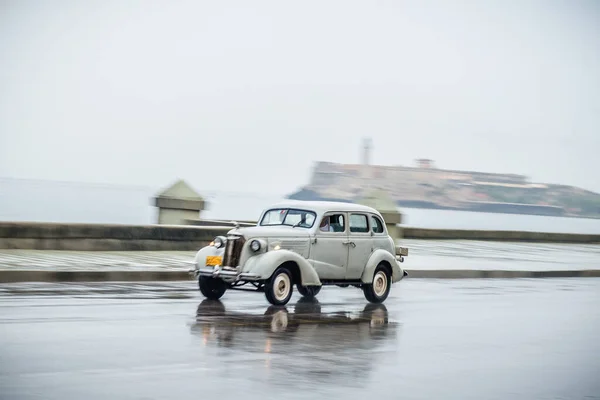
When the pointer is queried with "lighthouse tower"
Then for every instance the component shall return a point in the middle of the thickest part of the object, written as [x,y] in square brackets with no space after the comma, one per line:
[378,198]
[365,167]
[366,153]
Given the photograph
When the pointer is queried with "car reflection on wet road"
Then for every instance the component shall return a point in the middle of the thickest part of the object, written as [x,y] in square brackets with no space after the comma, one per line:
[336,346]
[466,339]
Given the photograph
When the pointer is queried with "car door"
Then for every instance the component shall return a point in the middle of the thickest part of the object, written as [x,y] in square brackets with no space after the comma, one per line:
[329,251]
[361,244]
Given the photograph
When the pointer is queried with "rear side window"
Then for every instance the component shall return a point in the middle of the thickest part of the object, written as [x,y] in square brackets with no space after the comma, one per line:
[359,223]
[377,224]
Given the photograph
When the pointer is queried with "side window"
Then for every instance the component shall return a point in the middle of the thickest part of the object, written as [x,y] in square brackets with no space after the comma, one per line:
[359,223]
[377,224]
[333,223]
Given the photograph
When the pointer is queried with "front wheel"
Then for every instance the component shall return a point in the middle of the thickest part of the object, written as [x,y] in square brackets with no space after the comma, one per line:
[212,288]
[278,289]
[379,289]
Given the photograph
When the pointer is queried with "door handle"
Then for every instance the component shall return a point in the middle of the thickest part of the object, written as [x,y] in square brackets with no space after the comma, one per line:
[350,243]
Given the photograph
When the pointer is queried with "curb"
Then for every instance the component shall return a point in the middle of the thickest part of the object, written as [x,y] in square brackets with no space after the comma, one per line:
[140,276]
[92,276]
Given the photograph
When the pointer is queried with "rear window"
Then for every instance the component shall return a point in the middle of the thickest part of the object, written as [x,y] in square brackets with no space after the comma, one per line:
[377,225]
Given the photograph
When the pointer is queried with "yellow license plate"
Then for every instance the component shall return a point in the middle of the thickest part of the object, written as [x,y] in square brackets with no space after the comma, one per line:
[213,260]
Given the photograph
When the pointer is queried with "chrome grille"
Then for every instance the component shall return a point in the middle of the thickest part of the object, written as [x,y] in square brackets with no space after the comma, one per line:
[233,251]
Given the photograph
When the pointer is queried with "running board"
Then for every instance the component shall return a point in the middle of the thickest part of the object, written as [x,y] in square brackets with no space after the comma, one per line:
[342,282]
[247,288]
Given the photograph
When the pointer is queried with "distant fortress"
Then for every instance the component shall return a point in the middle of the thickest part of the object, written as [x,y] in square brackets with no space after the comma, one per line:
[426,186]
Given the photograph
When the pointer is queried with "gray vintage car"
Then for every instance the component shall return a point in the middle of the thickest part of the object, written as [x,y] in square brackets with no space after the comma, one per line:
[308,244]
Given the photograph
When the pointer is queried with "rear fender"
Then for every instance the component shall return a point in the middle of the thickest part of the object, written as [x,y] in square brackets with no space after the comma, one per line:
[377,257]
[265,264]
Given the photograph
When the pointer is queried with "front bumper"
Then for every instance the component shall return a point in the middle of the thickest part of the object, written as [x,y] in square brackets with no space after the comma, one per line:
[228,274]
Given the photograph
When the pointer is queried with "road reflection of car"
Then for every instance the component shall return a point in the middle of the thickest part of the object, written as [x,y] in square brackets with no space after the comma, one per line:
[284,328]
[295,346]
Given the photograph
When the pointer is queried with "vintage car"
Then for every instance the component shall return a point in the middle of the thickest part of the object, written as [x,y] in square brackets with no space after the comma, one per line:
[308,244]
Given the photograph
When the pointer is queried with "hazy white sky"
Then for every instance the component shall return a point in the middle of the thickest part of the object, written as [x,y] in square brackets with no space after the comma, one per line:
[245,96]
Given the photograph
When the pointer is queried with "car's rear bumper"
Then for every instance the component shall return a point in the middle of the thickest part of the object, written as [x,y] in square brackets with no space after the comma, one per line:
[401,251]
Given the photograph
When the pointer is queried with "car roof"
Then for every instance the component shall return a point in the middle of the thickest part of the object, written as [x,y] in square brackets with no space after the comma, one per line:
[321,207]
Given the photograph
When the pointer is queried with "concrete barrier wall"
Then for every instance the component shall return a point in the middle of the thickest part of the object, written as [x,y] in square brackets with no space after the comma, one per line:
[508,236]
[100,237]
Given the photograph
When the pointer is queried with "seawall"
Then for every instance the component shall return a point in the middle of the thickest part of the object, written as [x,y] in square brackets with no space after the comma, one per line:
[101,237]
[499,236]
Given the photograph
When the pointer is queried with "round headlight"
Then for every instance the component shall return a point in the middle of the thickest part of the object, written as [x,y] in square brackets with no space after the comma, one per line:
[218,242]
[255,245]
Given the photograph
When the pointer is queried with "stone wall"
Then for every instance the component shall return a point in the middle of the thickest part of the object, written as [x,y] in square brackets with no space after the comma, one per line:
[100,237]
[503,236]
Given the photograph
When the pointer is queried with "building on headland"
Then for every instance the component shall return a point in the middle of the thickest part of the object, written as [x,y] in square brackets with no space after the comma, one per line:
[424,163]
[425,185]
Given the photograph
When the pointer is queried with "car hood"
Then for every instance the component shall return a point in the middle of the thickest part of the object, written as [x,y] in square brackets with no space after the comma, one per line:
[278,231]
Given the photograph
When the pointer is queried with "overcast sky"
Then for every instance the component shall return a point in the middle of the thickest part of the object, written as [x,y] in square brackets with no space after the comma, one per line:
[246,95]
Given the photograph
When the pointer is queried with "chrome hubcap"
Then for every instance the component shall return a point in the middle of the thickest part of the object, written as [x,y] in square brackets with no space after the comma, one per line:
[380,283]
[281,287]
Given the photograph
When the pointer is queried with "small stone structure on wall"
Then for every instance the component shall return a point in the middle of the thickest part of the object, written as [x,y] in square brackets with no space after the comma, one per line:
[382,202]
[178,203]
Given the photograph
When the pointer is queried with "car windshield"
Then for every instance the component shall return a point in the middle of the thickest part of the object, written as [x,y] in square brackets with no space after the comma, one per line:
[289,216]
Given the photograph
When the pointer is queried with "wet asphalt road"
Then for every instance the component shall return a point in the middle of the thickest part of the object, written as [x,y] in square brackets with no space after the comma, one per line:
[468,339]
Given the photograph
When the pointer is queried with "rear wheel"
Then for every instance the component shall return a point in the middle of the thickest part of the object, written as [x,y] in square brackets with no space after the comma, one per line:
[379,289]
[212,288]
[279,288]
[308,291]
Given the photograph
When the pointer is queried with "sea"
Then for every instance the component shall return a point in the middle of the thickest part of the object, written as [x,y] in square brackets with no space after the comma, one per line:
[72,202]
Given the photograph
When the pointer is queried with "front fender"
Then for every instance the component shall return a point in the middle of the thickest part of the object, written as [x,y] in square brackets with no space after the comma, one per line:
[200,258]
[378,256]
[265,264]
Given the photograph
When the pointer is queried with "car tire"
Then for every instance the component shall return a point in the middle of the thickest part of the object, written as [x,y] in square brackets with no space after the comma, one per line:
[378,290]
[279,288]
[308,291]
[212,288]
